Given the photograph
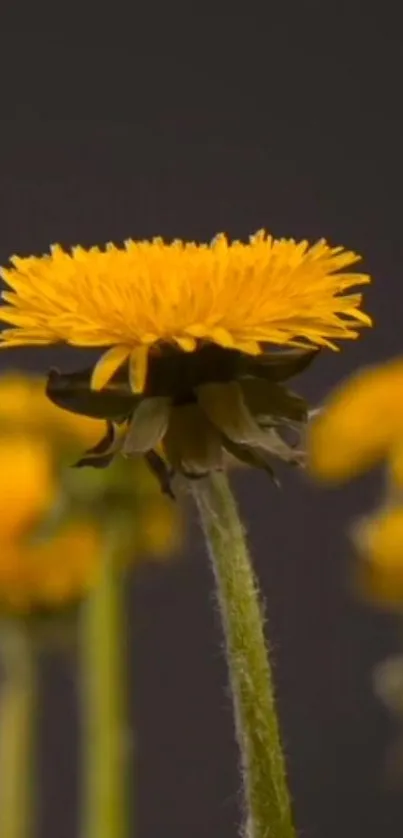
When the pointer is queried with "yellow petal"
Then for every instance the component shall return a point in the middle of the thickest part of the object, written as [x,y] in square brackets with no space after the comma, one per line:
[107,365]
[187,344]
[138,368]
[235,294]
[222,337]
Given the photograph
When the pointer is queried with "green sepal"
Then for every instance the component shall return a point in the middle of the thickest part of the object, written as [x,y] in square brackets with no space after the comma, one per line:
[176,374]
[161,471]
[278,365]
[225,406]
[147,425]
[192,445]
[102,454]
[72,392]
[251,457]
[272,404]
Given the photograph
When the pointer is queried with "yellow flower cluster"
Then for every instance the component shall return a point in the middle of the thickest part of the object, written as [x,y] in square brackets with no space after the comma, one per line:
[360,427]
[38,444]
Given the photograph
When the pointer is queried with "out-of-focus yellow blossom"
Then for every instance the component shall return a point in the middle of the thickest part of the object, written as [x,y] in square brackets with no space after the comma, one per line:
[379,541]
[360,425]
[52,516]
[157,535]
[157,526]
[27,483]
[47,574]
[24,405]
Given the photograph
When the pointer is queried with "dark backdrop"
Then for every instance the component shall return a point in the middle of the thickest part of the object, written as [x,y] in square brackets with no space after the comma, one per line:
[182,124]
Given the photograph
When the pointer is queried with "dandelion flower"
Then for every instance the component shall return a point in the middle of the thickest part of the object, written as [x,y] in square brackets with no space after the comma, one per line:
[187,330]
[361,425]
[379,540]
[27,483]
[47,575]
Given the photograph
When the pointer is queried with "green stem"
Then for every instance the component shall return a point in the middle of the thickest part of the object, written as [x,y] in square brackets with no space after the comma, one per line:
[107,792]
[17,707]
[267,802]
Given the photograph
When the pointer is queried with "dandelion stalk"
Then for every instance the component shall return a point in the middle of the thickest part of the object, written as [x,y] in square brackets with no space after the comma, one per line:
[106,770]
[267,803]
[17,708]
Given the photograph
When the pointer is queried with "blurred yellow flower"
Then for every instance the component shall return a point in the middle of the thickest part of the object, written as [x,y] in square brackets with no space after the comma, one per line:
[157,534]
[27,483]
[51,572]
[379,540]
[46,562]
[24,405]
[360,425]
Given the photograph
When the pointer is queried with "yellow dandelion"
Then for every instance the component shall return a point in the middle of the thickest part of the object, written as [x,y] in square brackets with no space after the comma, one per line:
[27,484]
[188,326]
[360,425]
[51,573]
[48,562]
[233,294]
[379,540]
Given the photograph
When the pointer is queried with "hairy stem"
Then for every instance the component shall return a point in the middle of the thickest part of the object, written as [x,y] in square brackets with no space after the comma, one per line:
[106,739]
[267,802]
[17,709]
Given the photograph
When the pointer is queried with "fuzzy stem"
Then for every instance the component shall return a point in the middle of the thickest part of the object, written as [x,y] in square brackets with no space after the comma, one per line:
[107,798]
[267,802]
[17,708]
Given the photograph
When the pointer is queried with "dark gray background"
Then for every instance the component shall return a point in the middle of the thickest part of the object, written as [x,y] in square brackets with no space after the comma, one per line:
[286,117]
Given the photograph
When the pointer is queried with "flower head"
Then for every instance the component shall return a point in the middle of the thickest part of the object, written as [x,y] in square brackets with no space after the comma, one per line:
[188,372]
[361,424]
[235,295]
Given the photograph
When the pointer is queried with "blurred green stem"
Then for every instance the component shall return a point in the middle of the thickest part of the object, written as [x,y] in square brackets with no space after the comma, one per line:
[267,802]
[106,742]
[17,709]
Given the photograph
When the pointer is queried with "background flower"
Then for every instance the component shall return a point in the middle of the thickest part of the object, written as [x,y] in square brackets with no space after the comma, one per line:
[52,515]
[360,424]
[27,482]
[379,542]
[48,574]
